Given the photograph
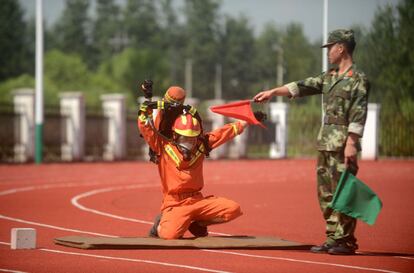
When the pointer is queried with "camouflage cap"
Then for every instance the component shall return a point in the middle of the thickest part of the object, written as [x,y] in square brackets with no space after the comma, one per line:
[340,36]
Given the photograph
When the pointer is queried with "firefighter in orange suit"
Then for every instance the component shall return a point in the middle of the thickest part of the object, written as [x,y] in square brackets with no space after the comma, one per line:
[180,168]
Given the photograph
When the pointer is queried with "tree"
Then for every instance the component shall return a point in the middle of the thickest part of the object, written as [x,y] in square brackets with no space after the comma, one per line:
[298,55]
[377,53]
[238,55]
[405,53]
[266,56]
[141,24]
[202,31]
[108,36]
[385,53]
[132,66]
[385,56]
[173,42]
[71,32]
[12,36]
[66,71]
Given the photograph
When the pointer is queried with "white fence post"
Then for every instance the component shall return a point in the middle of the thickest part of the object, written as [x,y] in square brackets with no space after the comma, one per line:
[237,148]
[278,115]
[113,106]
[23,100]
[72,109]
[370,140]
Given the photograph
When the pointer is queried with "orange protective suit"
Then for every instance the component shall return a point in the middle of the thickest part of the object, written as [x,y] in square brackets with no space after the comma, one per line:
[182,182]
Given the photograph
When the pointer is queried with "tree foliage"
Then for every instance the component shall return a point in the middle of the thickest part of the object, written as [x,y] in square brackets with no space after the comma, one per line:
[237,54]
[67,71]
[266,56]
[123,43]
[202,33]
[125,68]
[70,34]
[12,37]
[297,51]
[141,24]
[386,54]
[108,36]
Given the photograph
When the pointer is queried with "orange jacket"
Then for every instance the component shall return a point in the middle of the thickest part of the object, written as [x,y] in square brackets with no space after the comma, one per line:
[179,176]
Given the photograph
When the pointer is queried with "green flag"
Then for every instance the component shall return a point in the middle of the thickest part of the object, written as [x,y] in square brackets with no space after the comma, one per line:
[352,197]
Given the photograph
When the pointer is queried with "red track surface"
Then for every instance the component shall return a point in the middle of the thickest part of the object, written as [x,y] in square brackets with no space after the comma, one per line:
[278,199]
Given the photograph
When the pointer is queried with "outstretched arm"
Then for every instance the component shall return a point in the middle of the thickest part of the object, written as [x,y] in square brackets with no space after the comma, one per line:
[307,87]
[147,131]
[227,132]
[266,95]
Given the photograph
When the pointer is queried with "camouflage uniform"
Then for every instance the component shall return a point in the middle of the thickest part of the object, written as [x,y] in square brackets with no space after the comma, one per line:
[345,99]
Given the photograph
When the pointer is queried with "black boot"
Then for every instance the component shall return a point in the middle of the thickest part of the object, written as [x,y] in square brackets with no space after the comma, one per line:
[342,249]
[198,230]
[324,248]
[153,231]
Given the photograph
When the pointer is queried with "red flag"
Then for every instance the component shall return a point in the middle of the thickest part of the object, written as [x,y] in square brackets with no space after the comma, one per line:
[239,110]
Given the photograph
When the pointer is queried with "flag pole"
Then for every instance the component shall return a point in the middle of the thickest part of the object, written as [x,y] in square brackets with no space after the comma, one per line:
[39,83]
[324,49]
[325,36]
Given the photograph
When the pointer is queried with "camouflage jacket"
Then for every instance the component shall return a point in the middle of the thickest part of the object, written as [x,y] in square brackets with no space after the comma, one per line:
[345,99]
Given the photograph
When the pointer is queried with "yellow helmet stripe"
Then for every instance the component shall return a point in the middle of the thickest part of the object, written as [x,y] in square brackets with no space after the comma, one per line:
[188,132]
[184,120]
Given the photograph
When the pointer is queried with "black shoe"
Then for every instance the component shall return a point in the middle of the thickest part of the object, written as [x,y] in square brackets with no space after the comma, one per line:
[198,230]
[341,249]
[153,231]
[324,248]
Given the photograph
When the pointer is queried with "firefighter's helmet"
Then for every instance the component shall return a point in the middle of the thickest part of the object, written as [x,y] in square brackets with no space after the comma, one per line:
[187,125]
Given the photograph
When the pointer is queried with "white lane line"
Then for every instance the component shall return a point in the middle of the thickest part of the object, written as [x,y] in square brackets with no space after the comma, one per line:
[12,271]
[402,257]
[75,202]
[127,260]
[302,261]
[51,226]
[47,186]
[216,251]
[90,193]
[87,232]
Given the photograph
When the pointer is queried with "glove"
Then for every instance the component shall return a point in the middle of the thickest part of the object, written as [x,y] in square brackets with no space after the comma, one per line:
[146,87]
[145,108]
[260,116]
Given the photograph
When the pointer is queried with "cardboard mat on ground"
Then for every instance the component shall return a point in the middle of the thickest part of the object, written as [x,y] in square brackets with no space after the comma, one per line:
[210,242]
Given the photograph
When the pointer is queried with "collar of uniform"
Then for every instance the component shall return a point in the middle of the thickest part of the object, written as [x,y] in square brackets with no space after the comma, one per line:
[347,74]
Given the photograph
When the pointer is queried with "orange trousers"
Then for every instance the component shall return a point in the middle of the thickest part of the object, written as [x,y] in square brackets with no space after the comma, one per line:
[176,220]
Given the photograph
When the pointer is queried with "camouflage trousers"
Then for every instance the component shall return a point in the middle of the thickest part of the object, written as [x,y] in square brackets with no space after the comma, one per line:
[340,228]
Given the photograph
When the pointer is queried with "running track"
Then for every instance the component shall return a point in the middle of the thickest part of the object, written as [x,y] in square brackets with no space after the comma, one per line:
[120,199]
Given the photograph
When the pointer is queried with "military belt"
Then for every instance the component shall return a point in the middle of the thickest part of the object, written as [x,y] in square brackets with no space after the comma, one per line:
[335,120]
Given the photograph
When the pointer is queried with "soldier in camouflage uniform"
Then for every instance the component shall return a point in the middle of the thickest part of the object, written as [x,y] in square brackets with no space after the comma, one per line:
[345,97]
